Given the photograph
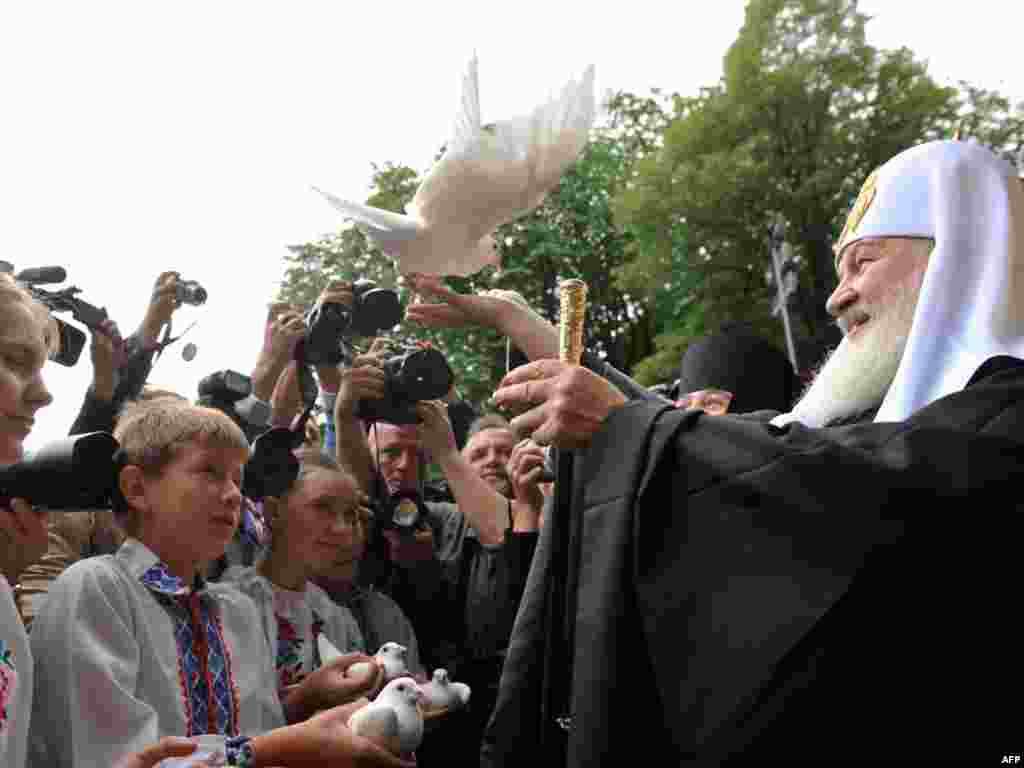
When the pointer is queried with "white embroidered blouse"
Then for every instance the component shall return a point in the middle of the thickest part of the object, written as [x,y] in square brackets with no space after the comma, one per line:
[292,620]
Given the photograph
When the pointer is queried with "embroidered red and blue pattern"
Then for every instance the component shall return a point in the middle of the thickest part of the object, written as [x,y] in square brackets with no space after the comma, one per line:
[209,694]
[289,653]
[8,683]
[289,650]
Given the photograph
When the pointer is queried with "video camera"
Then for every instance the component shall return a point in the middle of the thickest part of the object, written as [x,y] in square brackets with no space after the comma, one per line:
[231,393]
[72,340]
[420,373]
[78,472]
[327,325]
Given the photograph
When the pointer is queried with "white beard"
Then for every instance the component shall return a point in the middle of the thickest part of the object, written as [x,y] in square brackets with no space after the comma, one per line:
[856,376]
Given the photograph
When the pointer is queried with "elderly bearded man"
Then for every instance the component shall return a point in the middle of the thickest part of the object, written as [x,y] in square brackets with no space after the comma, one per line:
[790,590]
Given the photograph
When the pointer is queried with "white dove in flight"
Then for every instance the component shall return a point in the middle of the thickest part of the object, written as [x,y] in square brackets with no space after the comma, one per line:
[487,177]
[394,719]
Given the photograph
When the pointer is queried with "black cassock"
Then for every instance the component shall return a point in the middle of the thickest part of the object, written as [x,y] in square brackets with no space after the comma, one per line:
[750,593]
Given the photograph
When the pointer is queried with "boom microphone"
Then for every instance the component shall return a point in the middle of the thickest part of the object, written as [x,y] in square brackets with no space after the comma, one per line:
[42,275]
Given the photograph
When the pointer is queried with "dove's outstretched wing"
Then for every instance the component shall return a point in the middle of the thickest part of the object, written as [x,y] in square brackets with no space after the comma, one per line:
[385,227]
[489,176]
[379,724]
[467,121]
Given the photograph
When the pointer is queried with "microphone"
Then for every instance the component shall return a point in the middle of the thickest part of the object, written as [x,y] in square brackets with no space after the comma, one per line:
[42,275]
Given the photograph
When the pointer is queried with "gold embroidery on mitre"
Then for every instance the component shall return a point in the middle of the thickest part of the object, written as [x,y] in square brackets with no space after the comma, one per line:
[860,207]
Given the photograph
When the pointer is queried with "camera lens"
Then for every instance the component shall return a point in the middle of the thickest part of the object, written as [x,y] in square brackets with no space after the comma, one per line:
[425,375]
[191,292]
[379,309]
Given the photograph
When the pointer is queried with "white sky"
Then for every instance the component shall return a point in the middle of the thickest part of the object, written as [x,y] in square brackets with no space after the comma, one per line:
[142,136]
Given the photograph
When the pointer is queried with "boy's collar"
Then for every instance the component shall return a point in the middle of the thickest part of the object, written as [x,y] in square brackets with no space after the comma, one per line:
[146,566]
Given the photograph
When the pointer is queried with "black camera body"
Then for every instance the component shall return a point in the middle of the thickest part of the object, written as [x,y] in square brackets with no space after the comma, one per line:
[189,292]
[78,472]
[327,325]
[228,391]
[225,386]
[418,374]
[272,467]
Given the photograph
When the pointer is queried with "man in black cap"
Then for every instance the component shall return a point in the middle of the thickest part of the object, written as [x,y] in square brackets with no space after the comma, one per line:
[734,371]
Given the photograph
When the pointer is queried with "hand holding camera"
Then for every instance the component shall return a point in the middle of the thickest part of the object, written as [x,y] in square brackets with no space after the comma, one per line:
[365,379]
[285,327]
[436,430]
[108,352]
[525,469]
[337,317]
[169,293]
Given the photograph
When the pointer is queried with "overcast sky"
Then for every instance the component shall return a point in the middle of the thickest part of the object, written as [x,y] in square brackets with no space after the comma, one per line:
[141,136]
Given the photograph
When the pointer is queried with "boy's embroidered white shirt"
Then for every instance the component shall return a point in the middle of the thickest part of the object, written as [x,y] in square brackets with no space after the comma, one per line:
[119,661]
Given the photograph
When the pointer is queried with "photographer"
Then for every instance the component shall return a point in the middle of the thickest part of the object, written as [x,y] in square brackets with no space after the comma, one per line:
[450,573]
[121,367]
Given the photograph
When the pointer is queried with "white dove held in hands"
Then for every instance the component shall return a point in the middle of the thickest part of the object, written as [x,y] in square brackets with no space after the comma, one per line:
[486,178]
[440,692]
[391,656]
[394,719]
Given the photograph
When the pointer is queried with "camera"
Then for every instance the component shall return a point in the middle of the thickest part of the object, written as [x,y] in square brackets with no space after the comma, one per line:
[373,310]
[231,392]
[272,467]
[77,472]
[72,339]
[418,374]
[189,292]
[403,511]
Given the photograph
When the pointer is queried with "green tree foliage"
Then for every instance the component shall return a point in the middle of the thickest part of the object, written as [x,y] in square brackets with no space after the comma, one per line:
[805,109]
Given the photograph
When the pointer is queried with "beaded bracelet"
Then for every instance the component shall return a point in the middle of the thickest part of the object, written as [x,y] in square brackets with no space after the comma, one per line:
[238,751]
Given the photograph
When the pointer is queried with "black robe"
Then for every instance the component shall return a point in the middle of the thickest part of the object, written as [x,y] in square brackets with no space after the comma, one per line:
[748,592]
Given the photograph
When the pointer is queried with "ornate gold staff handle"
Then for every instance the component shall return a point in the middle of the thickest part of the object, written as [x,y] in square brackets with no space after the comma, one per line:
[573,310]
[573,296]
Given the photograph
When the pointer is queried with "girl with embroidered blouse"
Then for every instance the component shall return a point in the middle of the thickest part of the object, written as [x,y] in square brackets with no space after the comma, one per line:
[308,526]
[136,646]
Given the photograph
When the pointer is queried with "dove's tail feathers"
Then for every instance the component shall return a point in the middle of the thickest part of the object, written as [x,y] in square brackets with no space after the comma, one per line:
[383,225]
[467,121]
[462,692]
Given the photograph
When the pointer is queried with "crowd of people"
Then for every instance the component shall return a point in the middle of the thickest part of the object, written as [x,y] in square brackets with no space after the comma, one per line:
[757,571]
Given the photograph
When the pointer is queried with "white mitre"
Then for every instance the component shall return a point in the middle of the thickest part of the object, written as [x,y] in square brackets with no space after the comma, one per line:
[971,305]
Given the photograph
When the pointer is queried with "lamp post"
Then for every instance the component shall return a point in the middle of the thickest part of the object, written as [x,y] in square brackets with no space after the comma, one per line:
[784,273]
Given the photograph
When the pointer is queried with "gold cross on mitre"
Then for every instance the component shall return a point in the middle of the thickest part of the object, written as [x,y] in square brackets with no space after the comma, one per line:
[860,207]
